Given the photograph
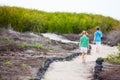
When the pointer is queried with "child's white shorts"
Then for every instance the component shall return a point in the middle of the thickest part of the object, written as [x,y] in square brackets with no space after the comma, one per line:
[83,49]
[98,44]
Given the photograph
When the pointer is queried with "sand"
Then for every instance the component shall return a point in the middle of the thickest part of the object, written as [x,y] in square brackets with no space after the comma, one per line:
[75,69]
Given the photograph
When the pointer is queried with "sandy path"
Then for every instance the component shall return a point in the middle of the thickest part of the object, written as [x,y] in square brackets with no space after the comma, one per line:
[75,70]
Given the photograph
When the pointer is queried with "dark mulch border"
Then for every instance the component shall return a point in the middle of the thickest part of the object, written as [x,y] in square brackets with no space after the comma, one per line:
[48,61]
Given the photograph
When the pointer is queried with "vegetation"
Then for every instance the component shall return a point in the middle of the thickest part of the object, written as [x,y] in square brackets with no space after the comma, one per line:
[50,48]
[32,44]
[7,62]
[23,65]
[115,58]
[119,47]
[22,19]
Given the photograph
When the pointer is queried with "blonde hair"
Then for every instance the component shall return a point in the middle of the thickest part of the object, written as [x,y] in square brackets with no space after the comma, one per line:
[84,33]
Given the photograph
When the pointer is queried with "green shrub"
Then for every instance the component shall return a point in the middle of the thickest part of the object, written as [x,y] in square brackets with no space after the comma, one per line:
[119,47]
[32,44]
[7,62]
[113,58]
[7,39]
[23,65]
[36,44]
[22,44]
[22,20]
[50,48]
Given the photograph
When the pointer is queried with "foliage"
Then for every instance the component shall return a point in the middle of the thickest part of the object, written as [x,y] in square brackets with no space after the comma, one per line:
[6,40]
[36,44]
[23,65]
[50,48]
[119,47]
[22,19]
[22,44]
[32,44]
[7,62]
[113,58]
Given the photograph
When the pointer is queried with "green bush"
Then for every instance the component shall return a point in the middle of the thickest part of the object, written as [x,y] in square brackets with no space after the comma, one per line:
[22,20]
[7,62]
[50,48]
[36,44]
[22,44]
[113,58]
[32,44]
[119,47]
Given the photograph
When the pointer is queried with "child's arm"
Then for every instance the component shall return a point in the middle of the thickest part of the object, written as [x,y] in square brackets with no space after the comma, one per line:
[88,43]
[79,44]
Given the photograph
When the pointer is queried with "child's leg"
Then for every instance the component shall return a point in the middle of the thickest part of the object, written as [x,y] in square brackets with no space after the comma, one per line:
[97,50]
[98,45]
[83,57]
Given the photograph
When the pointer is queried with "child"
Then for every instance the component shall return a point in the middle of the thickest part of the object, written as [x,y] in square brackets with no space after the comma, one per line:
[97,39]
[84,42]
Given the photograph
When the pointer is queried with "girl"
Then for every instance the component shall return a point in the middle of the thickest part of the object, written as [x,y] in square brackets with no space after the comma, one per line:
[84,42]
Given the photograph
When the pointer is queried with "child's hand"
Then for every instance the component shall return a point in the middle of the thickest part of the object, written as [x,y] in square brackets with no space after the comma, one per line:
[93,41]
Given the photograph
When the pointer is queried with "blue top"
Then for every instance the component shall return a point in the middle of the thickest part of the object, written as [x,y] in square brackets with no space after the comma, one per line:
[98,35]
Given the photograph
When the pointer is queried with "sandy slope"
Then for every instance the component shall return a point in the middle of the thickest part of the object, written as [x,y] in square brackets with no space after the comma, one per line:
[75,70]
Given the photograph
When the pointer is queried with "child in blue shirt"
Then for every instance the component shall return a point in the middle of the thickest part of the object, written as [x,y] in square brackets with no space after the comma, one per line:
[97,39]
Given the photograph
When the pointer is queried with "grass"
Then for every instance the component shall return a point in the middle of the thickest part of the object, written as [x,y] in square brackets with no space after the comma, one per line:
[118,47]
[50,48]
[7,39]
[32,44]
[114,58]
[36,44]
[7,62]
[22,44]
[23,65]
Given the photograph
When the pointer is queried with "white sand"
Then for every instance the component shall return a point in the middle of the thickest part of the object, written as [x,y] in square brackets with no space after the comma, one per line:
[75,69]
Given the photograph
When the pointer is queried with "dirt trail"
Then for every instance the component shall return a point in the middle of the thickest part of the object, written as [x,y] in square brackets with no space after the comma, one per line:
[75,69]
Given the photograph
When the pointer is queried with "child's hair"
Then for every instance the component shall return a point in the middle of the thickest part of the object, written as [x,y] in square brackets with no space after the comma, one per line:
[97,28]
[84,33]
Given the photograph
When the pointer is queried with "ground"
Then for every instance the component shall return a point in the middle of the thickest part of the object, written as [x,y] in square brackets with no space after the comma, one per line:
[111,71]
[19,61]
[22,54]
[76,70]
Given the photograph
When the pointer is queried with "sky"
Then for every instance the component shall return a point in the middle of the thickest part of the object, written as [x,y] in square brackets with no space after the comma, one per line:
[103,7]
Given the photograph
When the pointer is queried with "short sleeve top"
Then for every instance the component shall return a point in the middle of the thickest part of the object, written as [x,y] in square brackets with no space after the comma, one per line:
[98,35]
[84,41]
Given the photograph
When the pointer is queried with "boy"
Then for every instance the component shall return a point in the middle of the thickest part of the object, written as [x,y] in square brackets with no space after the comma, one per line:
[97,39]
